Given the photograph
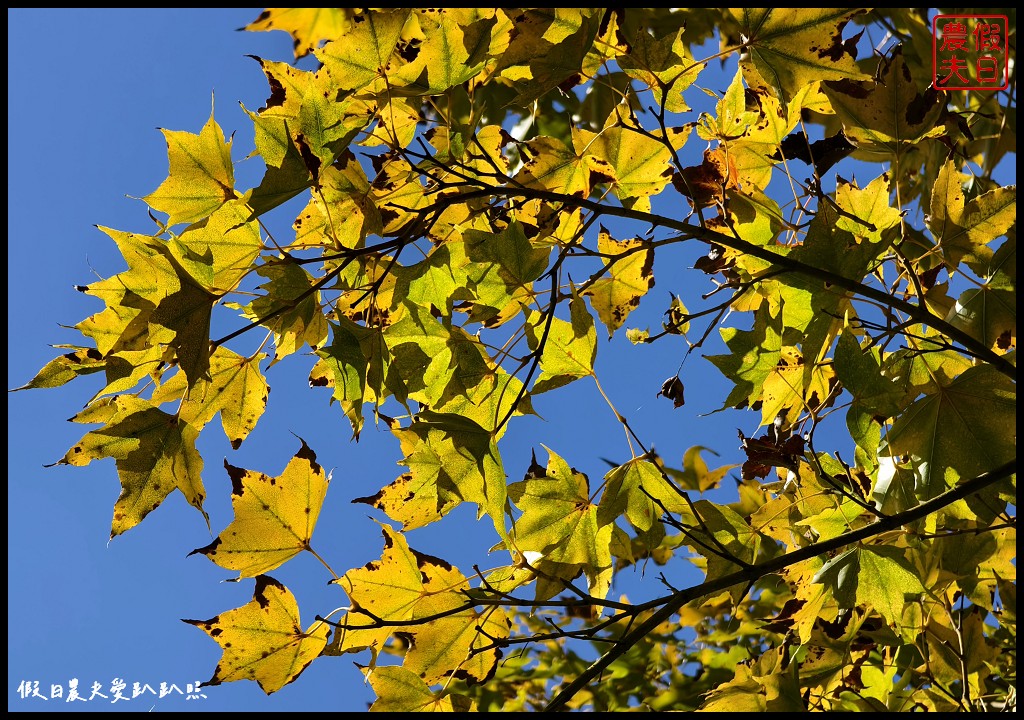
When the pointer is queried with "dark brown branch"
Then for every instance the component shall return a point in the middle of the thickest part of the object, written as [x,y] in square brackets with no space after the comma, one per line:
[672,604]
[919,313]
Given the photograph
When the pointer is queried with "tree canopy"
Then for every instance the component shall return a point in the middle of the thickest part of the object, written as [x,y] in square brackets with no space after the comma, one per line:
[484,197]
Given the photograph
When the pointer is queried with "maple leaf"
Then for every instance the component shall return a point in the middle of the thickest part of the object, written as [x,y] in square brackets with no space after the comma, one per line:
[263,640]
[236,389]
[154,452]
[631,276]
[792,47]
[274,516]
[560,525]
[888,112]
[405,584]
[309,27]
[400,690]
[202,177]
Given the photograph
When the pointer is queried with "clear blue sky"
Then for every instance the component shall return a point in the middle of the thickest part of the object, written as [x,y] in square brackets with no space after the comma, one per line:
[87,90]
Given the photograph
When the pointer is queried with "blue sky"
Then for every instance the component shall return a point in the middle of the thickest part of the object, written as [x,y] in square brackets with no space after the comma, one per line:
[87,90]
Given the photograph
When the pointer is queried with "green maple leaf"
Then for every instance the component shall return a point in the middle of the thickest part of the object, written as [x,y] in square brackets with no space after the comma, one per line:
[453,460]
[219,250]
[294,305]
[753,356]
[638,490]
[455,44]
[957,432]
[559,524]
[569,349]
[362,55]
[401,690]
[877,576]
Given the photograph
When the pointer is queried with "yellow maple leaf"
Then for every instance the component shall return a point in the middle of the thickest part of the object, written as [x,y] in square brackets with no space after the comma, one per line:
[263,640]
[274,516]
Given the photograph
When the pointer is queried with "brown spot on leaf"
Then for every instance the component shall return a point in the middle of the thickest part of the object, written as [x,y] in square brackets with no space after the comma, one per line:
[423,559]
[782,622]
[597,177]
[309,158]
[536,470]
[277,91]
[408,51]
[209,549]
[569,83]
[834,630]
[307,454]
[262,583]
[849,87]
[839,48]
[921,105]
[236,474]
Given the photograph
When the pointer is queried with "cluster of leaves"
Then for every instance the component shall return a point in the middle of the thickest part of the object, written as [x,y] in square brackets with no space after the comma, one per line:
[460,166]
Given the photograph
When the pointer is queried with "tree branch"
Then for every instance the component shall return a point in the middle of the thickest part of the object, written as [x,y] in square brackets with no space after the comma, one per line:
[673,603]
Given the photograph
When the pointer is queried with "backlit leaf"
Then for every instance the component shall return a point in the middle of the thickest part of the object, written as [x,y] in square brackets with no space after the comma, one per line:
[263,640]
[957,432]
[569,349]
[66,368]
[236,389]
[547,46]
[559,522]
[292,305]
[630,264]
[405,584]
[154,452]
[309,27]
[400,690]
[965,229]
[790,48]
[665,65]
[886,113]
[878,576]
[274,516]
[202,177]
[359,57]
